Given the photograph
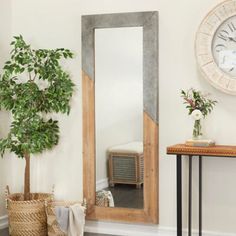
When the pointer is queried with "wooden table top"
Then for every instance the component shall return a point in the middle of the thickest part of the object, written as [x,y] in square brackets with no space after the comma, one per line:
[217,150]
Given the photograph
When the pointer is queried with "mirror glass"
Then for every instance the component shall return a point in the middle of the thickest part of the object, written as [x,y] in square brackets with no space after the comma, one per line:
[119,117]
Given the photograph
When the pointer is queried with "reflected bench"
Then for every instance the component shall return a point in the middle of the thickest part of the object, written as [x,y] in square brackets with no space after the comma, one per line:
[126,164]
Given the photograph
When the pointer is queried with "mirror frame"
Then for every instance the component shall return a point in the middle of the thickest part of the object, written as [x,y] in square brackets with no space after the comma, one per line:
[149,22]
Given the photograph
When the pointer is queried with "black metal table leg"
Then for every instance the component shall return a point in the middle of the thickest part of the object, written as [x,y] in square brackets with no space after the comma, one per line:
[190,198]
[179,194]
[200,195]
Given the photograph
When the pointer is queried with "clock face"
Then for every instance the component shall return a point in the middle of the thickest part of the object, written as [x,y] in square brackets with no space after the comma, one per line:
[215,47]
[224,47]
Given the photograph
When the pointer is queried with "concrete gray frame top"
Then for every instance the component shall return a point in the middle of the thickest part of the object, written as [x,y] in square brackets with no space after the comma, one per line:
[149,22]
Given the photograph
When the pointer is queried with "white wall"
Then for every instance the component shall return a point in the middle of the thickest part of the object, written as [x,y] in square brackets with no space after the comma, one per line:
[5,29]
[56,23]
[118,91]
[52,24]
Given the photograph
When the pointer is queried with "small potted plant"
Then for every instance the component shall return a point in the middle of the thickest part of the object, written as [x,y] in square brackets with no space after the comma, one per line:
[32,86]
[199,106]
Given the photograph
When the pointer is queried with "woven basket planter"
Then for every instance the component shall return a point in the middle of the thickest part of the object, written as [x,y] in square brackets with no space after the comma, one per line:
[27,217]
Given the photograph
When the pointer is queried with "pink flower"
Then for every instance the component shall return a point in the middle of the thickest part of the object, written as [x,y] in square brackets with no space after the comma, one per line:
[190,101]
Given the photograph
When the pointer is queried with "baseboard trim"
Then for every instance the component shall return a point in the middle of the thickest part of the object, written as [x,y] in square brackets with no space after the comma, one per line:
[101,184]
[3,222]
[122,229]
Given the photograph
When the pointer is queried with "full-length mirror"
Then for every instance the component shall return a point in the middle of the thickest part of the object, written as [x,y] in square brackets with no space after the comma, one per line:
[120,116]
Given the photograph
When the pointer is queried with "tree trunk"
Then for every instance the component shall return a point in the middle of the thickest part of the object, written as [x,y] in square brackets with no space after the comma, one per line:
[27,177]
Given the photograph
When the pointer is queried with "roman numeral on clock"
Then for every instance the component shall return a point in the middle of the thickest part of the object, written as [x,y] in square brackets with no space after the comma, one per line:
[224,35]
[231,26]
[220,47]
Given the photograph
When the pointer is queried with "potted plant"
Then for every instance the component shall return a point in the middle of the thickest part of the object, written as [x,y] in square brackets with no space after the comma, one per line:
[32,86]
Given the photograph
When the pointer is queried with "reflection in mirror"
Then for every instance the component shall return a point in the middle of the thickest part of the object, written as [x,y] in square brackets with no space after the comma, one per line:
[119,117]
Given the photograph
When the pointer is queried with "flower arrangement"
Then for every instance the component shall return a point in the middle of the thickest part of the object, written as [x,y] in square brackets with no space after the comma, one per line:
[199,106]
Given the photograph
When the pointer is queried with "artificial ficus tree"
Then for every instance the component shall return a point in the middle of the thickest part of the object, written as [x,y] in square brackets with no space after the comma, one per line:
[32,86]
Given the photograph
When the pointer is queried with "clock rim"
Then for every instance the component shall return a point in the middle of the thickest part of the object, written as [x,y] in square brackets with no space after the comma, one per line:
[208,51]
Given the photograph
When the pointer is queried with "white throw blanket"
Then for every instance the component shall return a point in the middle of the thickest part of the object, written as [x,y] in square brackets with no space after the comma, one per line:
[108,194]
[62,215]
[71,220]
[111,199]
[76,220]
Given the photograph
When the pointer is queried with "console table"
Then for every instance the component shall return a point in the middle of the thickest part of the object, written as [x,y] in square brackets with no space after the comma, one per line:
[182,150]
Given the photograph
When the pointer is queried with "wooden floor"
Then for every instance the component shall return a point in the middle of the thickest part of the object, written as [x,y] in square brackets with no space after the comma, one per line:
[5,233]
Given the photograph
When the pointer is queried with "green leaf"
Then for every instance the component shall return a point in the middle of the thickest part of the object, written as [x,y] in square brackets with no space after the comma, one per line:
[45,88]
[196,100]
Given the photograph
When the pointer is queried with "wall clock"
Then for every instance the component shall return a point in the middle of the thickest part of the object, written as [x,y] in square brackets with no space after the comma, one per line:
[215,47]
